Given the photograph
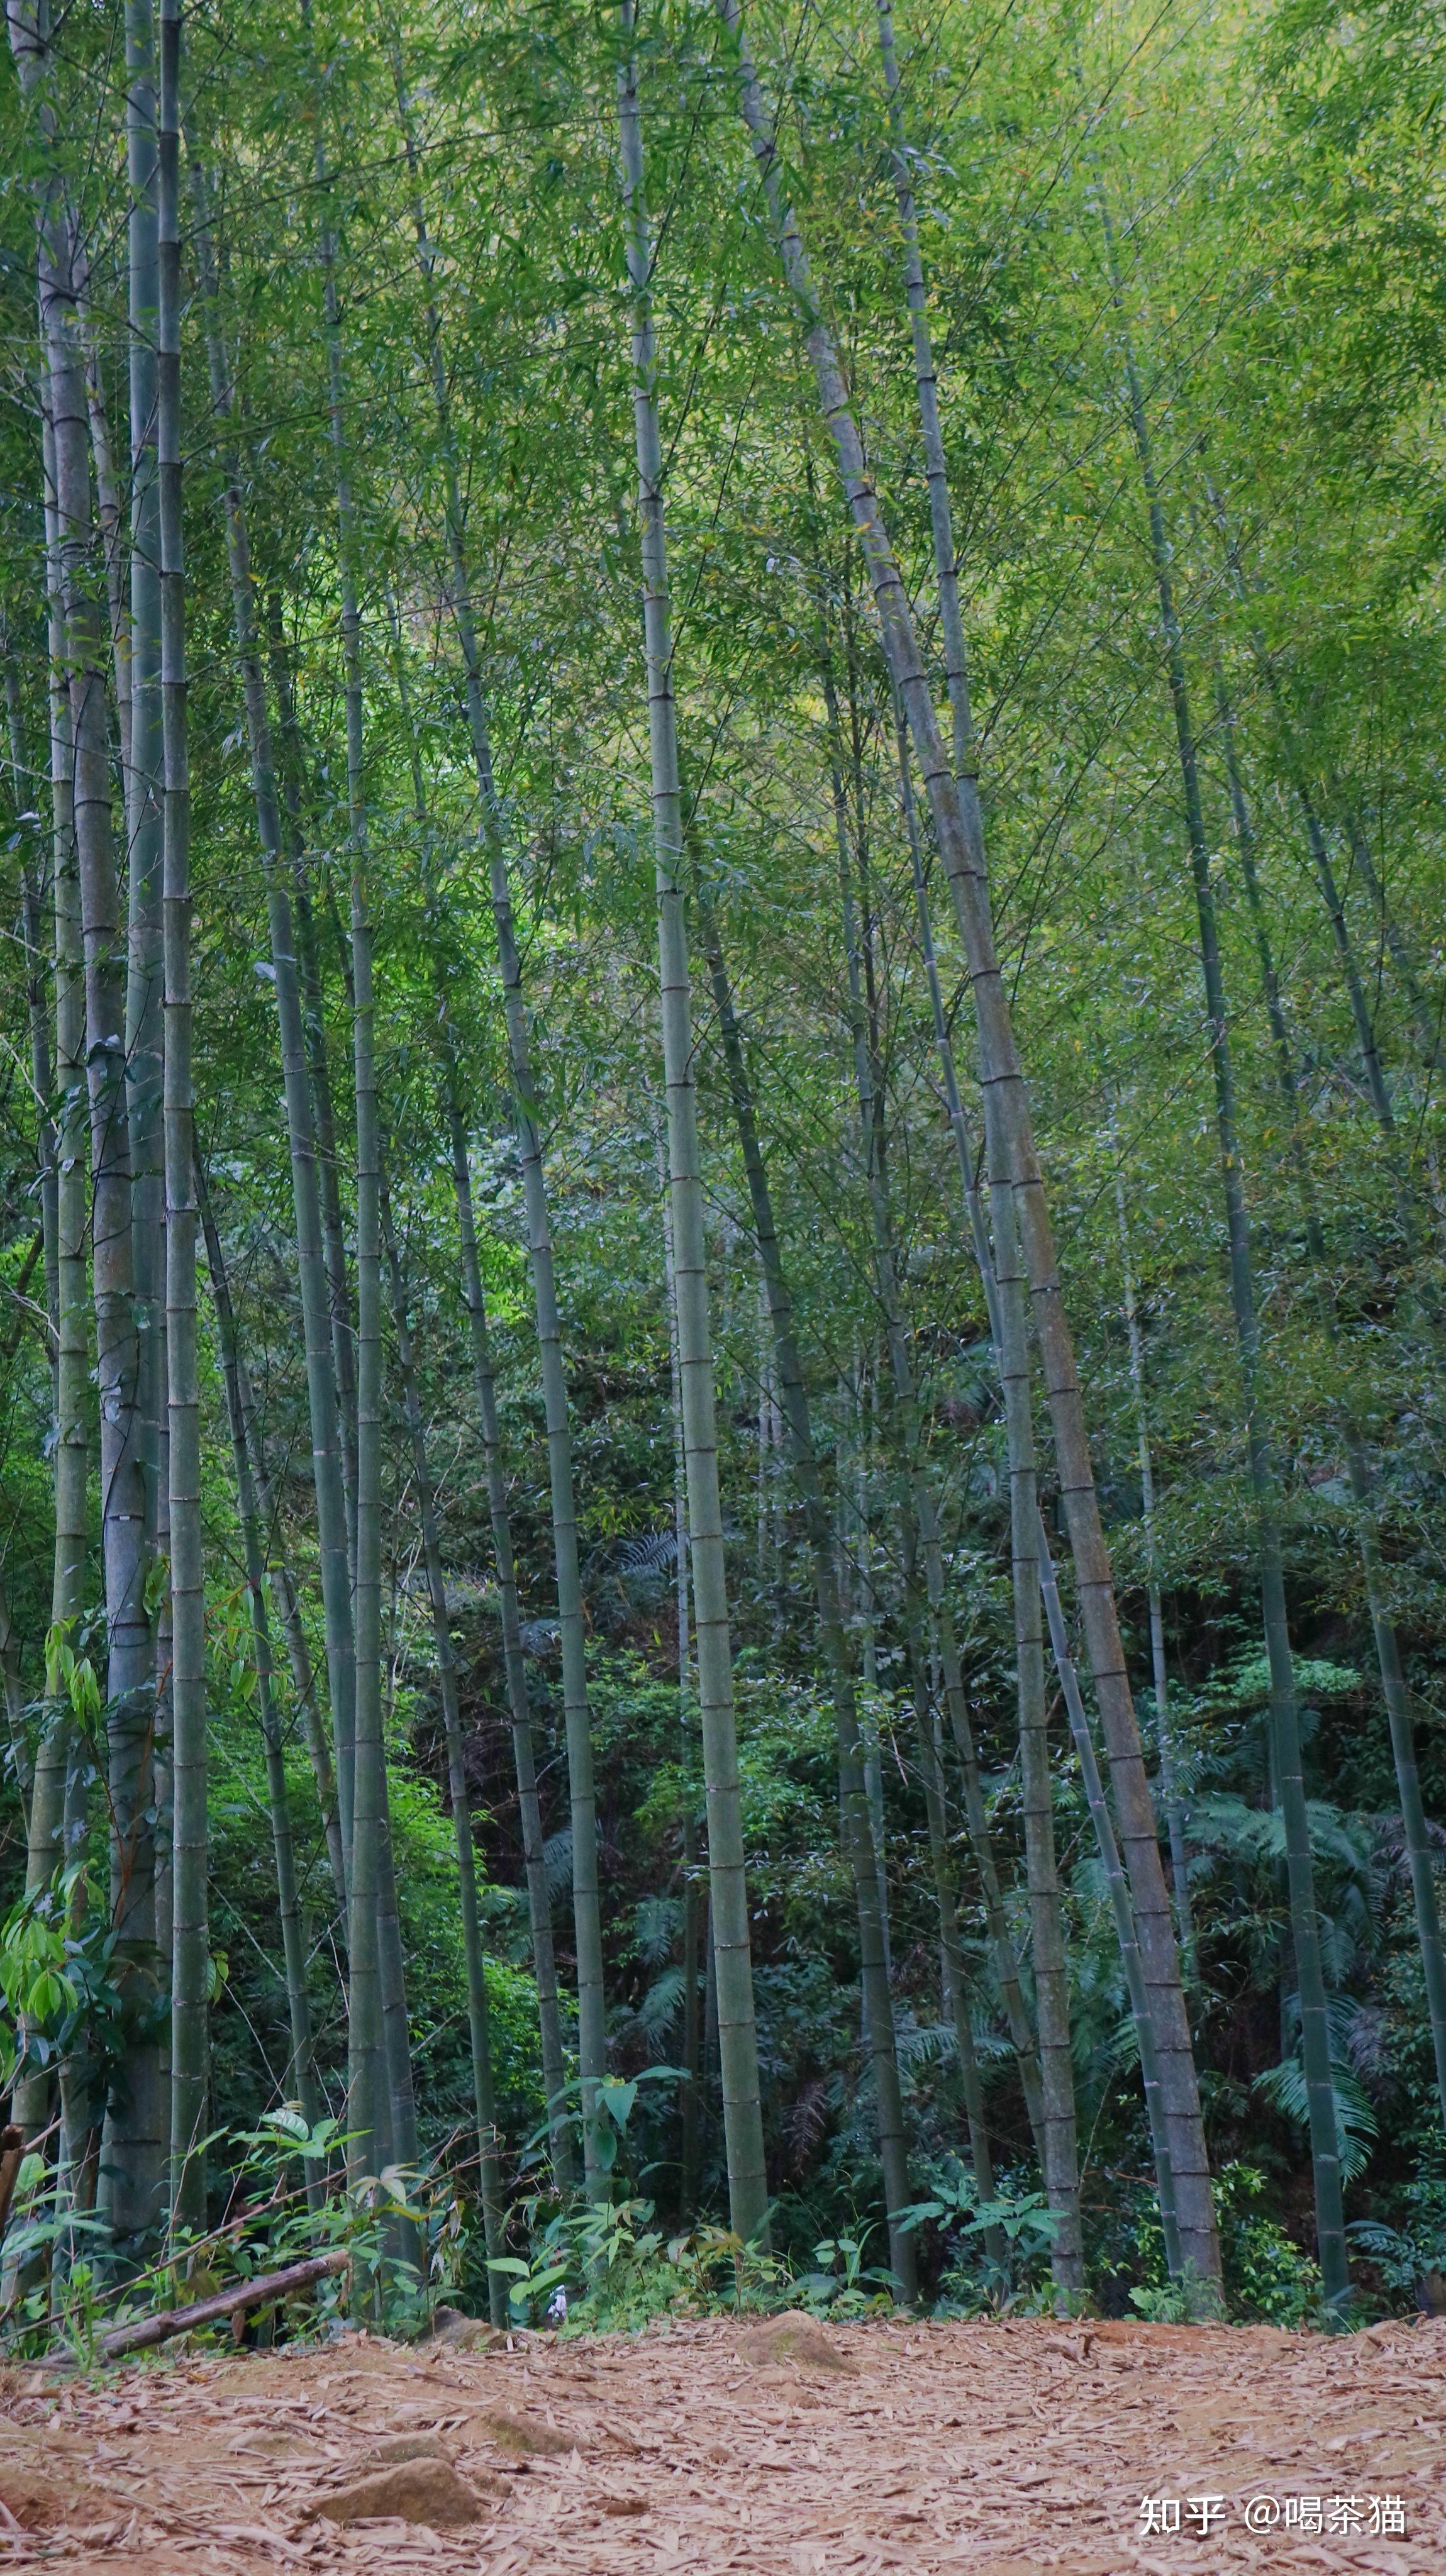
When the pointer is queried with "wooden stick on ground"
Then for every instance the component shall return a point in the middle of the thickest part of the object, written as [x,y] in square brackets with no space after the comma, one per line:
[226,2303]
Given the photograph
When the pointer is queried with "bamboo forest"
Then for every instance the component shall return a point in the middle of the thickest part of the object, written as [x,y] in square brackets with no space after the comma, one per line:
[722,1172]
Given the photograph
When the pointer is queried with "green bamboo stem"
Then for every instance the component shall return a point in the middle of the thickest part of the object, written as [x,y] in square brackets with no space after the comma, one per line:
[483,2089]
[1169,1792]
[1285,1724]
[1419,1854]
[484,1378]
[301,2072]
[925,1530]
[190,1947]
[582,1795]
[301,1134]
[690,2103]
[133,2179]
[328,1160]
[728,1892]
[375,2069]
[143,763]
[858,1837]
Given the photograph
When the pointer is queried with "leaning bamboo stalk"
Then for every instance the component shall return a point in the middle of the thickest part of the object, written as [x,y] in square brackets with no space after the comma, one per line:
[1427,1028]
[1169,1787]
[954,807]
[1008,1317]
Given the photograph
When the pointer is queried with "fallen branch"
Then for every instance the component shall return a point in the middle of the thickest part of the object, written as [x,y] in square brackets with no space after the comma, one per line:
[226,2303]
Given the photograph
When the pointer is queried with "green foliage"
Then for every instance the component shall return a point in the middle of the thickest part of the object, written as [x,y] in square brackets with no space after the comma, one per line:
[997,2253]
[58,1982]
[1267,2277]
[1284,2086]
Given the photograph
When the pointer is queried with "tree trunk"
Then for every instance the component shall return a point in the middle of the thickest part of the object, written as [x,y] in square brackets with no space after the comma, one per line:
[308,958]
[1009,1313]
[36,880]
[112,546]
[921,1502]
[737,2035]
[133,2176]
[1080,1730]
[1426,1025]
[42,1079]
[190,1957]
[279,1577]
[144,785]
[859,1848]
[301,2072]
[316,1324]
[1169,1793]
[539,1903]
[692,2030]
[1420,1857]
[524,1756]
[483,2094]
[959,831]
[1285,1726]
[57,1814]
[587,1920]
[377,2042]
[926,387]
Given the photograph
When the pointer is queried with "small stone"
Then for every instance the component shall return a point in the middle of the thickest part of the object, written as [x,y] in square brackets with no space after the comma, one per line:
[465,2334]
[427,2490]
[797,2338]
[523,2434]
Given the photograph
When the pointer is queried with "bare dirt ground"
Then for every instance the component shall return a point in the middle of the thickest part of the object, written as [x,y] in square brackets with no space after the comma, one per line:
[997,2449]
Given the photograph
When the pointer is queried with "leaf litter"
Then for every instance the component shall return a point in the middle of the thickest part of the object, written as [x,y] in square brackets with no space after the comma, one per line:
[993,2449]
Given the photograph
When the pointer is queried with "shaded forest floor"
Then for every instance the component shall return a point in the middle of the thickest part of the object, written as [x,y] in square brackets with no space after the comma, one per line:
[995,2449]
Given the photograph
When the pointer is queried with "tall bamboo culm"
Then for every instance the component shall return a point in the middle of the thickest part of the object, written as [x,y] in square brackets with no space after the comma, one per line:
[190,1945]
[727,1882]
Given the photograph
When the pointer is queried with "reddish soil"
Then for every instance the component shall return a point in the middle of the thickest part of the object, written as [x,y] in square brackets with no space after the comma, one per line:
[993,2449]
